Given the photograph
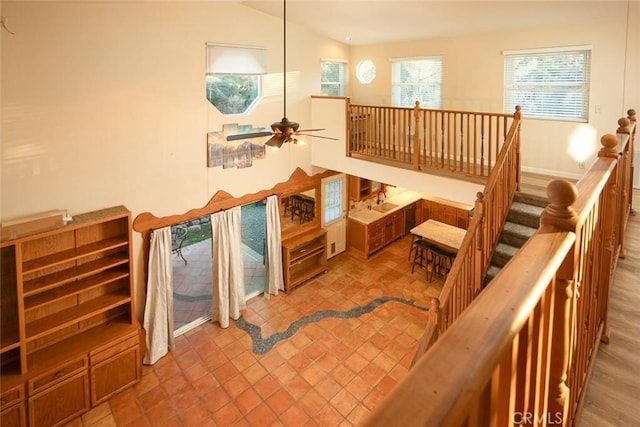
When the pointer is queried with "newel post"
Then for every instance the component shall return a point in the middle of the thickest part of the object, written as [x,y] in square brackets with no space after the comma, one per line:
[350,124]
[560,216]
[416,137]
[431,332]
[610,239]
[517,116]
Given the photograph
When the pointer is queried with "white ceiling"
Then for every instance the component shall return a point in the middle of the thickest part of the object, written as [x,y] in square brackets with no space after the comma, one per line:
[381,21]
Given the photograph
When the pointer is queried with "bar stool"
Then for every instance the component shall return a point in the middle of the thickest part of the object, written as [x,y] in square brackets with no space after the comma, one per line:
[421,257]
[441,262]
[415,238]
[296,207]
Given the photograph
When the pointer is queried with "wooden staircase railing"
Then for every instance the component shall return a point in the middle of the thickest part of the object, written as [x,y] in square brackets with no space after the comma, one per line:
[461,143]
[522,353]
[465,280]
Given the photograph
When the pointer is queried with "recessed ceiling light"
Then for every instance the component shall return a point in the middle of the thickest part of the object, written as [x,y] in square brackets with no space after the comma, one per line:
[347,38]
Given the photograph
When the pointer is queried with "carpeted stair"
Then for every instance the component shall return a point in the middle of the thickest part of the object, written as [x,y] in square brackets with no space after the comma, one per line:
[523,220]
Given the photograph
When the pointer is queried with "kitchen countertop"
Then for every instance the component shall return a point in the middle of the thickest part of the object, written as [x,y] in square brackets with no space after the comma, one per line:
[400,200]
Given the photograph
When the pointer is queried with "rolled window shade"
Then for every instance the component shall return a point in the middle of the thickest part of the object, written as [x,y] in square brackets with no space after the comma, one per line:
[234,59]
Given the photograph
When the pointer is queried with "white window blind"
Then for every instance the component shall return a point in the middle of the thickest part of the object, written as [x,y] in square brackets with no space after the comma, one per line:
[548,83]
[416,79]
[232,59]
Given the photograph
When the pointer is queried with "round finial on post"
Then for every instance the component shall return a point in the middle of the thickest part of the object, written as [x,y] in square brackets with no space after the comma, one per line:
[559,215]
[631,115]
[434,307]
[518,113]
[609,146]
[624,126]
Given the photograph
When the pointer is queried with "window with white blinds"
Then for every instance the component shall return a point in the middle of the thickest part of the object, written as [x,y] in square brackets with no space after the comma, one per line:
[416,79]
[548,83]
[332,77]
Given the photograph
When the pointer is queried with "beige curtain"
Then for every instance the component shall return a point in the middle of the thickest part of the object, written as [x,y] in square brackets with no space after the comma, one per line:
[275,281]
[228,269]
[158,309]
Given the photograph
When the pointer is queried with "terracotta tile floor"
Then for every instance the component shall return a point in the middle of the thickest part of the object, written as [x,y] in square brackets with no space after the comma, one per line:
[329,373]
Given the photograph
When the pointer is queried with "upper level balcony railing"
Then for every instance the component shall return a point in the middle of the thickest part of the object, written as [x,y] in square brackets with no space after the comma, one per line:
[450,142]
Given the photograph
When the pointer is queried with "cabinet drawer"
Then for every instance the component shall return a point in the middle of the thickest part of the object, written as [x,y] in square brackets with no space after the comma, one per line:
[56,375]
[114,349]
[11,396]
[60,403]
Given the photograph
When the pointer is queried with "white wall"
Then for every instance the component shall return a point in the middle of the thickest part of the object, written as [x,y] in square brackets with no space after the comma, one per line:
[104,104]
[473,80]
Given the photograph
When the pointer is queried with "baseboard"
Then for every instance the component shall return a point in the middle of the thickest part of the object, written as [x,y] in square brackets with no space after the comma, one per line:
[559,174]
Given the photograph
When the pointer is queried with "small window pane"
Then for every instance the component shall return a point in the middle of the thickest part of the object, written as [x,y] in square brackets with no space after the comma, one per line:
[332,78]
[417,80]
[332,200]
[233,94]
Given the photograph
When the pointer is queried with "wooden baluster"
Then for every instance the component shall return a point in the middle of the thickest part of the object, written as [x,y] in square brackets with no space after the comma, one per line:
[560,216]
[416,137]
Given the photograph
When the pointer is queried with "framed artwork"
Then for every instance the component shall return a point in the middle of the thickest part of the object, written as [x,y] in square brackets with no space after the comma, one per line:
[230,154]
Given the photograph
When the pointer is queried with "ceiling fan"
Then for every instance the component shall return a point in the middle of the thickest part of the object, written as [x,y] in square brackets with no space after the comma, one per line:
[284,130]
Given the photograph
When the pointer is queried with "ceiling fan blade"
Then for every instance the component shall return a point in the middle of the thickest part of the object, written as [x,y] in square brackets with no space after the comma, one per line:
[241,136]
[318,136]
[276,141]
[309,130]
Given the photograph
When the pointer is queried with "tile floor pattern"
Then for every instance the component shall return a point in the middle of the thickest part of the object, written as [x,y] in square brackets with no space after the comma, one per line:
[330,373]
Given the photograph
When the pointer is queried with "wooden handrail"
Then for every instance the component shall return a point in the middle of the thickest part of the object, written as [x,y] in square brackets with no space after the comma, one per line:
[465,280]
[522,352]
[452,142]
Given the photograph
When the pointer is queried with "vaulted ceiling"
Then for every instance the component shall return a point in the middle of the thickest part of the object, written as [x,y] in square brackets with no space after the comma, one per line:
[381,21]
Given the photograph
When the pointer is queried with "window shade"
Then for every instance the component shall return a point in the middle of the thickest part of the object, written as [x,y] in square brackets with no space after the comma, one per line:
[230,59]
[549,84]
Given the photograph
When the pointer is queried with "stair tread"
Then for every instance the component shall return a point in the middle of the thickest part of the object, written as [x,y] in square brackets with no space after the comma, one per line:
[527,208]
[505,249]
[519,229]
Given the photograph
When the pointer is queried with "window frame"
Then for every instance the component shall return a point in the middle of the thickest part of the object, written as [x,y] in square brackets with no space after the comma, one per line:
[342,76]
[549,94]
[229,62]
[397,85]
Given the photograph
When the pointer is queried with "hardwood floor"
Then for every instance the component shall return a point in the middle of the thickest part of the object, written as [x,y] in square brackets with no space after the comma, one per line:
[612,393]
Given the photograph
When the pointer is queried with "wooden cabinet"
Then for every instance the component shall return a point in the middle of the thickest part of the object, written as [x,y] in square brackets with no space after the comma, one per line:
[12,407]
[365,239]
[66,294]
[363,188]
[303,257]
[451,213]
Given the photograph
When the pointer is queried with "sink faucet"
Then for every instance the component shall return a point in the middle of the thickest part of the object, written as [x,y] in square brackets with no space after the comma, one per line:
[378,200]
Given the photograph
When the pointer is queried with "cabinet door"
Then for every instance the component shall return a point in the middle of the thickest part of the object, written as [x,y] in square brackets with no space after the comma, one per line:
[61,402]
[14,416]
[115,369]
[398,225]
[425,211]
